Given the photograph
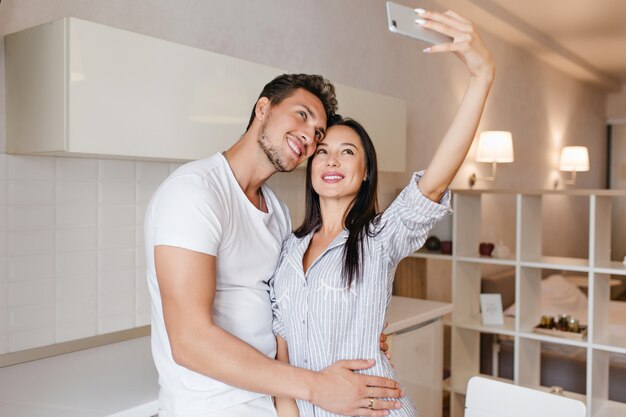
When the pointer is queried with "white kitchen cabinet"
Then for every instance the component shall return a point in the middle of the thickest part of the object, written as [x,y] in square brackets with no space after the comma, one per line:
[416,346]
[77,88]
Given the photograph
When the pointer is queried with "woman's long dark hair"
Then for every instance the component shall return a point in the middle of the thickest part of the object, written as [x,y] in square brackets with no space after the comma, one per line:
[363,212]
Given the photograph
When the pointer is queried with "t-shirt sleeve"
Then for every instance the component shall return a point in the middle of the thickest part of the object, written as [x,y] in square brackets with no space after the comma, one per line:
[189,215]
[278,323]
[405,224]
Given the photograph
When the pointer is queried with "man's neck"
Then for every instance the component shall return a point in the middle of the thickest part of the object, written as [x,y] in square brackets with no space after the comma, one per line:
[249,164]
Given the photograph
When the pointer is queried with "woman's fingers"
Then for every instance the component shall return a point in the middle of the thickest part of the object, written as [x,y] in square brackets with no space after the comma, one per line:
[449,47]
[458,17]
[449,20]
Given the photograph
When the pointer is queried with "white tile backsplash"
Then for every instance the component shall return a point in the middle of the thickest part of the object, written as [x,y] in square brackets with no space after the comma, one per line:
[4,320]
[78,310]
[76,263]
[77,215]
[76,240]
[116,171]
[117,215]
[32,168]
[115,322]
[77,192]
[32,192]
[31,267]
[4,166]
[25,317]
[116,260]
[116,281]
[4,191]
[116,238]
[77,169]
[30,242]
[25,293]
[73,331]
[72,261]
[4,298]
[4,269]
[117,193]
[31,217]
[77,287]
[40,336]
[3,245]
[152,172]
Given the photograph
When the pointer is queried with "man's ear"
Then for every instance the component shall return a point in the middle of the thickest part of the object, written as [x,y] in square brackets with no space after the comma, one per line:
[262,108]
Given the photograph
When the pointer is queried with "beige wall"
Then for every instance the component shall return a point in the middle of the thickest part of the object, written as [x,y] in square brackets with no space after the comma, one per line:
[347,41]
[616,105]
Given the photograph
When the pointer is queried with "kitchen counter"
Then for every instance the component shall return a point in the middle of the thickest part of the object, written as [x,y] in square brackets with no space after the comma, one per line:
[405,313]
[115,380]
[119,380]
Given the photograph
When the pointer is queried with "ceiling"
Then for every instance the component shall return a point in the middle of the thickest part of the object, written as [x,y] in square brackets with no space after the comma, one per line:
[585,38]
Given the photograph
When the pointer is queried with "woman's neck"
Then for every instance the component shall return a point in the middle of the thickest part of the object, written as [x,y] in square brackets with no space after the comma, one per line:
[333,212]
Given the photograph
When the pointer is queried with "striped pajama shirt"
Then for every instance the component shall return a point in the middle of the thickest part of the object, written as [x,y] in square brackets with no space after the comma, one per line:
[321,319]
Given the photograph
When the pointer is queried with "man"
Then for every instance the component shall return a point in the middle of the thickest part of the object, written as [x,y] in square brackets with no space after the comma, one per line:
[213,237]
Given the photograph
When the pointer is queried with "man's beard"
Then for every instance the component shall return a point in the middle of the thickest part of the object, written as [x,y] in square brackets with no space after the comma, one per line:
[273,154]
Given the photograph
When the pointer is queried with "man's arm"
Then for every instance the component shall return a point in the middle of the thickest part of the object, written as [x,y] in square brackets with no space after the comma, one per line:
[187,284]
[285,407]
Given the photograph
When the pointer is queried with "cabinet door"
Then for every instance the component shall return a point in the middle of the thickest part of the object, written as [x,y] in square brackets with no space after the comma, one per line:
[417,357]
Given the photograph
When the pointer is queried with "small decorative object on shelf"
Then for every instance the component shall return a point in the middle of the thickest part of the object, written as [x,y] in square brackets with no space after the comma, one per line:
[501,251]
[485,248]
[446,247]
[432,243]
[564,326]
[555,389]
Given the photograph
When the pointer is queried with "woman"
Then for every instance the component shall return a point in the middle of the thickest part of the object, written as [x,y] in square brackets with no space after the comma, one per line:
[333,284]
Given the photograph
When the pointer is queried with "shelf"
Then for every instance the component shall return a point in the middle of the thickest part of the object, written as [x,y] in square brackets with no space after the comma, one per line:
[488,260]
[538,216]
[611,343]
[447,384]
[508,328]
[555,340]
[567,394]
[426,254]
[615,268]
[611,409]
[558,263]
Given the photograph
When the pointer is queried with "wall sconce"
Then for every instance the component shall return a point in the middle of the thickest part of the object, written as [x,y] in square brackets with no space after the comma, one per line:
[574,159]
[494,146]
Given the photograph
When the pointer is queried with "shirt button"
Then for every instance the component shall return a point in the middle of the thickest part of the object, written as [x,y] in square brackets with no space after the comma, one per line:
[303,321]
[305,361]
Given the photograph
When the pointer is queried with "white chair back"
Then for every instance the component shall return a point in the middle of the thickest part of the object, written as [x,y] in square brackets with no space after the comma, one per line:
[491,398]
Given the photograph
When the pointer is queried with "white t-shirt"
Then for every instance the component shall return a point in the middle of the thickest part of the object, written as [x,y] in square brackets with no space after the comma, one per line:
[201,207]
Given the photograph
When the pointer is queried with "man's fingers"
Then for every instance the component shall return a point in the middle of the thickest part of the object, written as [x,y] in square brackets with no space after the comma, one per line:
[379,381]
[383,337]
[366,412]
[356,364]
[377,392]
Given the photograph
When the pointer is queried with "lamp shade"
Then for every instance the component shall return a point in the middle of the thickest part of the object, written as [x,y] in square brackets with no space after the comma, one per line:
[495,146]
[574,158]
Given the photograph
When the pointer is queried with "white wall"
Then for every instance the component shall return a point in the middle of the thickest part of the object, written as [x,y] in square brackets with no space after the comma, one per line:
[347,41]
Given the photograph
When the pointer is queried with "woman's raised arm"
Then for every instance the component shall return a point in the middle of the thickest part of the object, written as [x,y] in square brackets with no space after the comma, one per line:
[469,47]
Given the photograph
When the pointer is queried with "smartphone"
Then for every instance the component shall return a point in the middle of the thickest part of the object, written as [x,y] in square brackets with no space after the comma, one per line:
[401,19]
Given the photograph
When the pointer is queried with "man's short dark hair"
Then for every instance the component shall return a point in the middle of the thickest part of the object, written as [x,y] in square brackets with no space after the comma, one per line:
[286,85]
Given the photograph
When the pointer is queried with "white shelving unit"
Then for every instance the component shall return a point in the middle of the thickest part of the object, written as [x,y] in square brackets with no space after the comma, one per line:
[529,261]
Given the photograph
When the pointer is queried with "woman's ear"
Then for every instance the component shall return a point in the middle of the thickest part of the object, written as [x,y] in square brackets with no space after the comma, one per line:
[262,107]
